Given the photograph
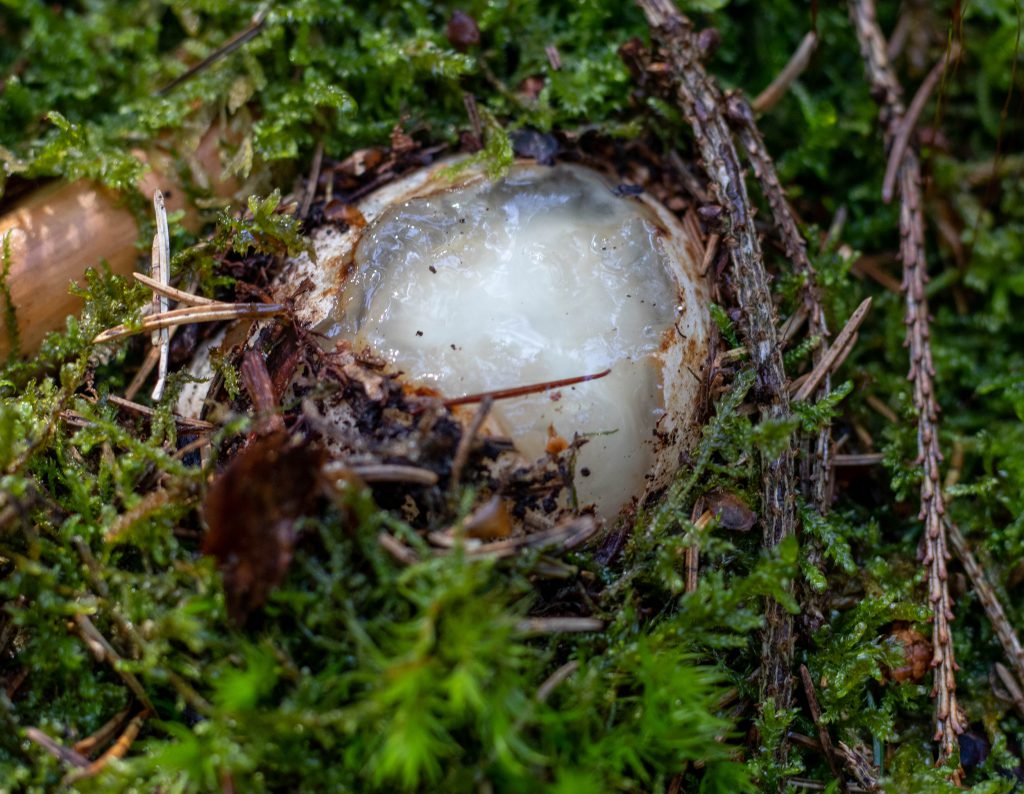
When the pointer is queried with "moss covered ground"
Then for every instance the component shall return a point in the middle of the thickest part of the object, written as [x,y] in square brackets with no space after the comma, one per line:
[361,674]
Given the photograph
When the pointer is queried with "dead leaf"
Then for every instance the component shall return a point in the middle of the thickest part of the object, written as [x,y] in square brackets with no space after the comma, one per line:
[731,511]
[250,512]
[917,653]
[462,31]
[490,521]
[338,211]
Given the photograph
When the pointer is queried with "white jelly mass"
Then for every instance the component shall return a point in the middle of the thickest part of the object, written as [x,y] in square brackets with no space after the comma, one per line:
[542,276]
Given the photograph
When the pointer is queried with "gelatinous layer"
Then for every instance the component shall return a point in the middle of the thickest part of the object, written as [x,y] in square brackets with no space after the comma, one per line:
[544,275]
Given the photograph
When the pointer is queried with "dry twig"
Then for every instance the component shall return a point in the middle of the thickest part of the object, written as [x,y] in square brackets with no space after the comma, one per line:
[312,181]
[210,313]
[250,32]
[816,452]
[552,682]
[534,626]
[161,267]
[466,442]
[56,749]
[522,391]
[901,137]
[886,88]
[117,750]
[1013,688]
[179,295]
[106,732]
[778,87]
[830,359]
[703,105]
[823,735]
[99,645]
[989,600]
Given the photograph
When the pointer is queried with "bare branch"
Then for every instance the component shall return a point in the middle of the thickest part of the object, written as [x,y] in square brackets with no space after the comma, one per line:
[830,360]
[796,65]
[989,600]
[179,295]
[703,105]
[887,90]
[823,734]
[906,127]
[214,312]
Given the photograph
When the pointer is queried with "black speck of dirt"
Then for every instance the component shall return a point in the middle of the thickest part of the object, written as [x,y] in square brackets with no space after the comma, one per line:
[419,333]
[453,347]
[585,471]
[462,220]
[432,269]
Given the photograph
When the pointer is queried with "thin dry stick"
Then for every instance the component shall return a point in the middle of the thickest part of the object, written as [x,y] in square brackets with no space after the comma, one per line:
[56,749]
[702,103]
[212,313]
[887,89]
[829,360]
[466,441]
[906,127]
[710,251]
[567,535]
[823,735]
[144,410]
[394,472]
[117,750]
[778,87]
[182,297]
[859,767]
[862,459]
[339,471]
[152,357]
[816,452]
[106,732]
[989,600]
[793,323]
[255,25]
[313,181]
[552,682]
[102,648]
[521,391]
[691,558]
[162,270]
[1012,687]
[398,550]
[534,626]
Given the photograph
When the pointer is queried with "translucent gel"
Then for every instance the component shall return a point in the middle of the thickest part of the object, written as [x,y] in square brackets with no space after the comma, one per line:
[542,276]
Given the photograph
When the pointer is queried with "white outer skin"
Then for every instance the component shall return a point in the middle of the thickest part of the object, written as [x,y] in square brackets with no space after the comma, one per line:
[681,359]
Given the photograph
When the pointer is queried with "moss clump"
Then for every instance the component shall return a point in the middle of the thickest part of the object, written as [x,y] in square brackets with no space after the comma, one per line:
[360,674]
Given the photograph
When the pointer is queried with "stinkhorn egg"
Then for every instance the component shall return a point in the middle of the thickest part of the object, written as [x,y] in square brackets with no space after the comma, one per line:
[465,285]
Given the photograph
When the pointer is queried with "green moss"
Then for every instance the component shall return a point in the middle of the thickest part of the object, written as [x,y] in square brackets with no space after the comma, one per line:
[363,675]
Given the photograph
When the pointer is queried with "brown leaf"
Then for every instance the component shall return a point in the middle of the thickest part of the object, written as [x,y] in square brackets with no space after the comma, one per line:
[346,213]
[462,31]
[917,653]
[360,162]
[250,512]
[490,521]
[731,511]
[258,383]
